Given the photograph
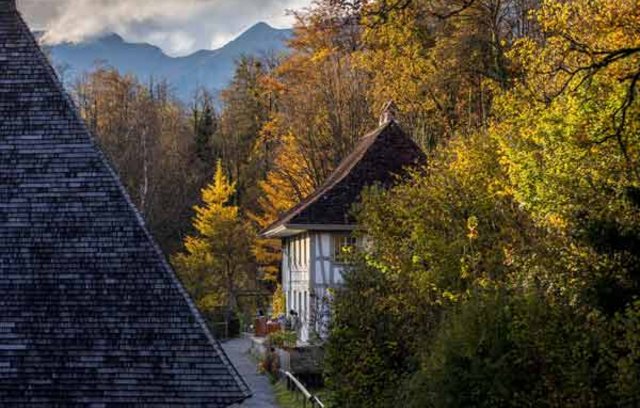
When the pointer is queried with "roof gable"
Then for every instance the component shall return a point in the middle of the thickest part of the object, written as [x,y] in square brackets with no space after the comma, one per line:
[379,158]
[91,311]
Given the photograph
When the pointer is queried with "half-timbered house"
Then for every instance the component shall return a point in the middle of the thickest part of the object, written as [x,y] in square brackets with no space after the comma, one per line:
[315,233]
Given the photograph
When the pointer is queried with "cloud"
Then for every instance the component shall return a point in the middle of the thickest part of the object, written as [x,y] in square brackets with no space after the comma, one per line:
[177,26]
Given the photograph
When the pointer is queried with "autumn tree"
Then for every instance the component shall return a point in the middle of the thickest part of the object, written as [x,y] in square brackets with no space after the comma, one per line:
[321,110]
[441,61]
[321,94]
[248,105]
[287,183]
[217,263]
[147,136]
[512,259]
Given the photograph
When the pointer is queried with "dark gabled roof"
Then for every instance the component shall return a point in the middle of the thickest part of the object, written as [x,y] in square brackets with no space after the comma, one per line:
[379,158]
[90,311]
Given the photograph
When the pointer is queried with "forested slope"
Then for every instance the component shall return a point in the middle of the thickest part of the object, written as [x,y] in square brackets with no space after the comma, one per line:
[504,273]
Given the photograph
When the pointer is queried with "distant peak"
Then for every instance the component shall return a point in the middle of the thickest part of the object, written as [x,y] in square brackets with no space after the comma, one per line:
[260,32]
[261,26]
[111,37]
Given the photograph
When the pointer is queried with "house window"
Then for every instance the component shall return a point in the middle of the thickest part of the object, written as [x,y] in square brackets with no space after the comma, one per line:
[343,245]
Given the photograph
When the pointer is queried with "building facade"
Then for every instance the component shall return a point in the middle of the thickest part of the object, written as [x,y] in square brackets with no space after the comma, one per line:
[312,264]
[317,233]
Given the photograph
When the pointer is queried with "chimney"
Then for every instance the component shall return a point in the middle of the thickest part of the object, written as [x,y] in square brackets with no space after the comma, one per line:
[389,113]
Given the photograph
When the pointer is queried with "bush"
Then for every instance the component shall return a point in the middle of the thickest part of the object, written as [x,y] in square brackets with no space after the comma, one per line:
[283,339]
[502,350]
[368,352]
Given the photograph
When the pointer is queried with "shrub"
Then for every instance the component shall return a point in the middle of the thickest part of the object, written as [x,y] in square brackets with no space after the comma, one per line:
[368,352]
[283,339]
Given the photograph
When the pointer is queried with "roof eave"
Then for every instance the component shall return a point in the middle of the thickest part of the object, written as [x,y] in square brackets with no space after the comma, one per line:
[289,230]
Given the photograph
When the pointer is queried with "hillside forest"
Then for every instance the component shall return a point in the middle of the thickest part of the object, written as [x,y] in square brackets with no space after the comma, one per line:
[505,273]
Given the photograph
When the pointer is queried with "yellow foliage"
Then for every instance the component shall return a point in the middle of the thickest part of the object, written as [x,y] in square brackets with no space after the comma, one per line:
[278,302]
[582,37]
[215,196]
[216,262]
[285,185]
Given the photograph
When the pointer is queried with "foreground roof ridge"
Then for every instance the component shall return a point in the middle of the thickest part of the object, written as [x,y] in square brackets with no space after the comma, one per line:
[14,22]
[167,267]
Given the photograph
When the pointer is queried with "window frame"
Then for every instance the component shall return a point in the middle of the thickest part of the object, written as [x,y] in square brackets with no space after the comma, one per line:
[338,243]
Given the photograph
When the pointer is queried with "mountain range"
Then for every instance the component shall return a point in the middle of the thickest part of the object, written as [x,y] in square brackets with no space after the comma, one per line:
[212,69]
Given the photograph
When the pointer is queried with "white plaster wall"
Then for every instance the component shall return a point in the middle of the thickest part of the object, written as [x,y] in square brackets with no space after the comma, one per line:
[296,267]
[337,275]
[308,269]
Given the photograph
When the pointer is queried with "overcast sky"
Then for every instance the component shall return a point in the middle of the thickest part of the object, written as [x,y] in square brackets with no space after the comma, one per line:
[179,27]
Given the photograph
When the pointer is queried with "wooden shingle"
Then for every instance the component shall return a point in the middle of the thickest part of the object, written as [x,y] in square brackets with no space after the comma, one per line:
[91,314]
[378,159]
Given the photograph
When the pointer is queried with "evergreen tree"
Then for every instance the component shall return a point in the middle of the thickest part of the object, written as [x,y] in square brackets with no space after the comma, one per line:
[205,125]
[247,106]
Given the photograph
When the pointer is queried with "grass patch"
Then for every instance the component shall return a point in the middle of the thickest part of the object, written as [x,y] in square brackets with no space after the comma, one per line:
[286,398]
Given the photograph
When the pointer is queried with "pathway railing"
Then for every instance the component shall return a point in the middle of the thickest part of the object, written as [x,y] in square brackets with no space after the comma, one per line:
[300,390]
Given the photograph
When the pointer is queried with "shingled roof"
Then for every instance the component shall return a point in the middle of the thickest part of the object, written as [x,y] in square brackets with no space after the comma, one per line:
[379,158]
[90,311]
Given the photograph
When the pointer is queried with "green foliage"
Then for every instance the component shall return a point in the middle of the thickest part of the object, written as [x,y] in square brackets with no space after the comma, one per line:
[291,399]
[247,107]
[509,268]
[626,335]
[205,126]
[368,354]
[283,339]
[501,349]
[286,398]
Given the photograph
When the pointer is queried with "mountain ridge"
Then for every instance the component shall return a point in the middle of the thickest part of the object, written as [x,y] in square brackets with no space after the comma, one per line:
[212,69]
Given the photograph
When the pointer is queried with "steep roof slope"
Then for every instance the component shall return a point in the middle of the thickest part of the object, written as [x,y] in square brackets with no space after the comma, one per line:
[90,311]
[379,158]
